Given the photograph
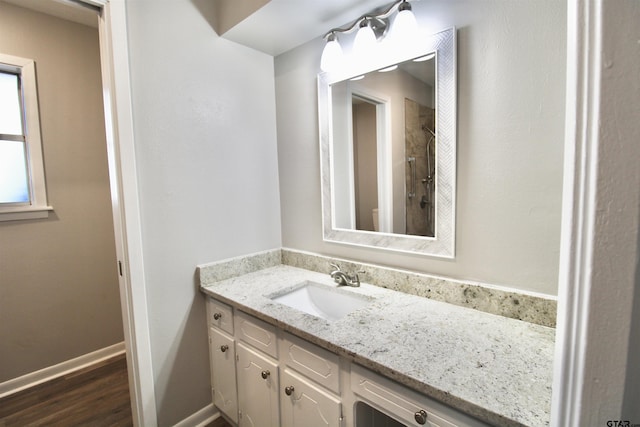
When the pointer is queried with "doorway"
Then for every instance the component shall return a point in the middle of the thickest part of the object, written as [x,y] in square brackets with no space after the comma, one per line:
[60,281]
[117,121]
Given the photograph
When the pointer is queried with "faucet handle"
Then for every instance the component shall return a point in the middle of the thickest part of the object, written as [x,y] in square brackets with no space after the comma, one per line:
[356,277]
[336,267]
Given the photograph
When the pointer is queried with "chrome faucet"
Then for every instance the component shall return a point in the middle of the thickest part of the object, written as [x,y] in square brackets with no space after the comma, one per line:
[344,279]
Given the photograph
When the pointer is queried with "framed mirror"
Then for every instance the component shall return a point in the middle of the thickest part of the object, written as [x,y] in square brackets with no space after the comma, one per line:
[388,148]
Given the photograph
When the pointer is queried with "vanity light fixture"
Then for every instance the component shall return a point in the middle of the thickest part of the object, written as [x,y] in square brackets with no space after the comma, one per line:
[371,28]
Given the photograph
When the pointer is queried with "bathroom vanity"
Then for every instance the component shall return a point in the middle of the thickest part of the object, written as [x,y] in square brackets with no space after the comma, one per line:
[396,359]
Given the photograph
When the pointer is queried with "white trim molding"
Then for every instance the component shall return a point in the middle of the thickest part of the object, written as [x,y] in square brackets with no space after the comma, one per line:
[114,57]
[201,418]
[601,208]
[49,373]
[37,205]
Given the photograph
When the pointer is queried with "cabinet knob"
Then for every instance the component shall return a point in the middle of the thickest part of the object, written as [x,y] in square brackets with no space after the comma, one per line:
[217,316]
[421,417]
[265,374]
[224,348]
[288,390]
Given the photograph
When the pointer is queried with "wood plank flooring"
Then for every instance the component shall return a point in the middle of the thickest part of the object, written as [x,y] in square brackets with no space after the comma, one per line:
[96,396]
[219,422]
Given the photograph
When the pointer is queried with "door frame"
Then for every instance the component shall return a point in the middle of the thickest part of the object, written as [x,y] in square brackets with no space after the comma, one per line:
[593,359]
[114,59]
[384,163]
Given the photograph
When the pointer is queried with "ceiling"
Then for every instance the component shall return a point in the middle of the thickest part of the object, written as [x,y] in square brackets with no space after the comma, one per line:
[276,27]
[64,9]
[281,25]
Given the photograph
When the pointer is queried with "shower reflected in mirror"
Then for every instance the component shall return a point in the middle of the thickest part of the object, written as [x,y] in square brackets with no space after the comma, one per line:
[420,148]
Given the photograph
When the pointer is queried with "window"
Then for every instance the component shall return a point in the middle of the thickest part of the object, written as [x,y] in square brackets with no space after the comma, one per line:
[23,194]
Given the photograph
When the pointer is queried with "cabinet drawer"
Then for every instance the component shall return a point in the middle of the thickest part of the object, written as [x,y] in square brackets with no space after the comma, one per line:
[404,404]
[220,315]
[316,363]
[257,333]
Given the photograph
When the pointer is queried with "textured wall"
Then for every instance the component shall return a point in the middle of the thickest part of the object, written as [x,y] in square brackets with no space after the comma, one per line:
[205,136]
[59,294]
[511,89]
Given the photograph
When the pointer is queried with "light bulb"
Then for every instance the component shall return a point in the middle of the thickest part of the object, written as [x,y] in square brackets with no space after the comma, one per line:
[425,58]
[405,25]
[331,55]
[365,41]
[386,70]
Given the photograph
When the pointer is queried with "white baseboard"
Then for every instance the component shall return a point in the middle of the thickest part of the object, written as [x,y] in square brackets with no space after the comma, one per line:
[47,374]
[201,418]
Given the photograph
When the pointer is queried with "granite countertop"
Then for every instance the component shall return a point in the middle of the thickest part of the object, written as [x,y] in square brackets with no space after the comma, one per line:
[491,367]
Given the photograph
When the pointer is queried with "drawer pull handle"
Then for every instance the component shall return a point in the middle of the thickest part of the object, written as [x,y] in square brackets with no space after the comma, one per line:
[224,348]
[265,374]
[288,390]
[421,417]
[217,316]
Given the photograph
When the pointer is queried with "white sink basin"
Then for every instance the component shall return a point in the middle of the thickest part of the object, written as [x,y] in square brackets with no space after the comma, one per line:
[322,301]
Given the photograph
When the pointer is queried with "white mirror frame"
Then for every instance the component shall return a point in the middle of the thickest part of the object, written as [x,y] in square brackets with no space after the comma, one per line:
[443,243]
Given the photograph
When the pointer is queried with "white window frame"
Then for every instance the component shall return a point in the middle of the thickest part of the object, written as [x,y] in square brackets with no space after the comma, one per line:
[37,206]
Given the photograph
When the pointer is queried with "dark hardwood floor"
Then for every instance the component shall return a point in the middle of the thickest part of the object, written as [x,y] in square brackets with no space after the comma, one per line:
[219,422]
[96,396]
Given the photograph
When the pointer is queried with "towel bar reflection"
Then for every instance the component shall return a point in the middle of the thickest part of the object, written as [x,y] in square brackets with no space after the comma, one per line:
[412,165]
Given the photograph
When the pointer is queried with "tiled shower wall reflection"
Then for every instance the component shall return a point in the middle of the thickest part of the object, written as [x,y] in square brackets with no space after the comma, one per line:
[420,144]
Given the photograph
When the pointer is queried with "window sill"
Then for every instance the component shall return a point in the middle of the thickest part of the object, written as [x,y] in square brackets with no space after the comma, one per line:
[15,214]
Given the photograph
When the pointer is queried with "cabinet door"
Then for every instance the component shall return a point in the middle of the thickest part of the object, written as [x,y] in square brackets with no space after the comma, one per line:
[223,373]
[257,389]
[304,404]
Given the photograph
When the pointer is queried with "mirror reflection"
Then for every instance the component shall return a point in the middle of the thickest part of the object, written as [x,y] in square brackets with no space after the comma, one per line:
[380,116]
[388,147]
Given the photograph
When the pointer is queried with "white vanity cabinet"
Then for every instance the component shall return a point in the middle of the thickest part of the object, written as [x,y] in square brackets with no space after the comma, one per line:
[263,376]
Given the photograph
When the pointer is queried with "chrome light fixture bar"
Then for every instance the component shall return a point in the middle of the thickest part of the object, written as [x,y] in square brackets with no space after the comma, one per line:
[371,28]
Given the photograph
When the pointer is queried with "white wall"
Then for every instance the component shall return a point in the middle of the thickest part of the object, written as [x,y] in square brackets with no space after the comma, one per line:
[204,122]
[511,68]
[616,259]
